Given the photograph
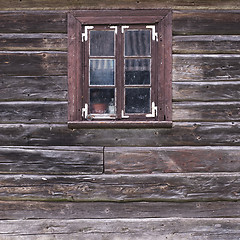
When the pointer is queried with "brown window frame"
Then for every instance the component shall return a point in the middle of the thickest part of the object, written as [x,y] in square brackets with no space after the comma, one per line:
[162,69]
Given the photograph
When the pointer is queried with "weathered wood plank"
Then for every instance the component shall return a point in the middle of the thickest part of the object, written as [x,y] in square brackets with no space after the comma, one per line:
[14,210]
[122,187]
[17,88]
[208,111]
[56,112]
[32,21]
[206,67]
[181,134]
[122,229]
[206,91]
[51,160]
[207,44]
[71,4]
[33,112]
[171,159]
[33,42]
[33,63]
[206,22]
[186,67]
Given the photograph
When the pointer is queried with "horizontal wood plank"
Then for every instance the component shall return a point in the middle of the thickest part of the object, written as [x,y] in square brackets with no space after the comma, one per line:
[51,160]
[213,111]
[122,187]
[206,91]
[14,210]
[32,21]
[71,4]
[171,159]
[207,44]
[33,42]
[33,63]
[56,112]
[206,67]
[206,22]
[122,229]
[17,88]
[181,134]
[34,112]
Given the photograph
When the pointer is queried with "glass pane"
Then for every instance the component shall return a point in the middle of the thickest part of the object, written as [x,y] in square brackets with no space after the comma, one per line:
[102,101]
[137,71]
[101,43]
[102,71]
[137,43]
[137,100]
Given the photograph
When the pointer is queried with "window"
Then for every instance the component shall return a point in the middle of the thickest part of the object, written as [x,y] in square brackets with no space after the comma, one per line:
[119,68]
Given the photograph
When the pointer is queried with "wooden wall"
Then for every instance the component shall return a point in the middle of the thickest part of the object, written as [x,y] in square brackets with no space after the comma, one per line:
[177,183]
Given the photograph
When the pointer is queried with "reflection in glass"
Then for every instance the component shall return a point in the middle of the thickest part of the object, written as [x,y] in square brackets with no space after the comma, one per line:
[137,71]
[101,43]
[137,100]
[101,72]
[102,101]
[137,42]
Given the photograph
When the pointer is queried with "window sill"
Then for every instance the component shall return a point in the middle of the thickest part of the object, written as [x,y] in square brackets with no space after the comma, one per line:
[119,124]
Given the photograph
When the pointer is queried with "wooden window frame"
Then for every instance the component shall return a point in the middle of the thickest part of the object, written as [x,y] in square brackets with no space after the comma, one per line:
[162,18]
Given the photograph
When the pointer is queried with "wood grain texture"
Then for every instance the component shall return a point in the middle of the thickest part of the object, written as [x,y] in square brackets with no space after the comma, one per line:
[15,210]
[207,44]
[206,67]
[33,21]
[206,91]
[19,88]
[182,134]
[34,112]
[81,4]
[51,160]
[206,22]
[33,42]
[122,187]
[124,229]
[171,159]
[33,63]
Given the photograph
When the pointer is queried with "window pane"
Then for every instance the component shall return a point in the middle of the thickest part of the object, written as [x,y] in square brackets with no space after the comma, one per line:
[137,71]
[137,42]
[137,100]
[102,101]
[101,43]
[102,71]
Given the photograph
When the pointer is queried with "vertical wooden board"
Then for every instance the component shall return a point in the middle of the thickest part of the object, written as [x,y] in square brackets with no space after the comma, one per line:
[171,159]
[51,160]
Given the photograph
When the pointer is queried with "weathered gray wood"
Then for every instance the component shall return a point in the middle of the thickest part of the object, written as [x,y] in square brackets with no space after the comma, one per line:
[122,187]
[71,4]
[181,134]
[33,112]
[31,42]
[16,88]
[206,67]
[207,111]
[206,91]
[206,44]
[33,63]
[32,21]
[123,229]
[206,22]
[56,112]
[14,210]
[51,160]
[171,159]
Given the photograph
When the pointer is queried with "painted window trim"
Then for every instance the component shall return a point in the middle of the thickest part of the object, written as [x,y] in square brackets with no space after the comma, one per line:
[76,22]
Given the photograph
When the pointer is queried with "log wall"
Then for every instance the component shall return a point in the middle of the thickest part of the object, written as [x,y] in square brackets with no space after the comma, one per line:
[164,183]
